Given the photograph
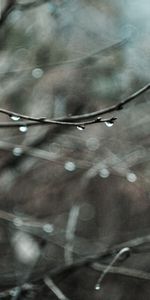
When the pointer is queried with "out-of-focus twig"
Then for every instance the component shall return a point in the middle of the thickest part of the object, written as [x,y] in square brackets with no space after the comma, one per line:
[10,6]
[70,231]
[52,286]
[13,4]
[33,4]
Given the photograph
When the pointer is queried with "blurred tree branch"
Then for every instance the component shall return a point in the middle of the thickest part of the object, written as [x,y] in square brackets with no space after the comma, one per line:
[9,7]
[13,4]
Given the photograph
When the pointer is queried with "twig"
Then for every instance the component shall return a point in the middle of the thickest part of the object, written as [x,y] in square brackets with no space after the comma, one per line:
[51,285]
[70,231]
[115,107]
[123,251]
[122,271]
[81,120]
[87,58]
[43,121]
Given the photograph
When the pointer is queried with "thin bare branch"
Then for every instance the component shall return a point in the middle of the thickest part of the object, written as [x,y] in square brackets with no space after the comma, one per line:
[31,5]
[118,106]
[87,119]
[52,286]
[44,122]
[123,251]
[122,271]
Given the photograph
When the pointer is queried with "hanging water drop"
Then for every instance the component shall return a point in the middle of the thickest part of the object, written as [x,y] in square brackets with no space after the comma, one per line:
[15,118]
[97,287]
[109,124]
[23,128]
[80,127]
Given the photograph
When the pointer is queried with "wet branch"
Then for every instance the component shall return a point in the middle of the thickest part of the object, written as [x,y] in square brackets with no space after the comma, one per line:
[77,120]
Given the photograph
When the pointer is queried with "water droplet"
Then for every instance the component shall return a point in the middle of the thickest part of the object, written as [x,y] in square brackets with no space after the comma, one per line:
[37,73]
[131,177]
[80,127]
[104,173]
[23,128]
[48,228]
[17,151]
[15,118]
[97,287]
[109,124]
[70,166]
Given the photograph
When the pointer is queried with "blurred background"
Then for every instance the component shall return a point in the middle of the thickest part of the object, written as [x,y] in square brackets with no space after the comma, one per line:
[69,194]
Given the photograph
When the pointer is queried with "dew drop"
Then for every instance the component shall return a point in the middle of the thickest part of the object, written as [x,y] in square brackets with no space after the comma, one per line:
[97,287]
[15,118]
[23,128]
[109,124]
[80,127]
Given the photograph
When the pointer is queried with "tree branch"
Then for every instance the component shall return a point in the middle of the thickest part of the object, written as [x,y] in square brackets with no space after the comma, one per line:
[122,271]
[78,120]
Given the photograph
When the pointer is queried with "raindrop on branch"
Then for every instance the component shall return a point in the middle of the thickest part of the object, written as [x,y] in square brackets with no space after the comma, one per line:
[23,128]
[15,118]
[109,124]
[97,287]
[81,127]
